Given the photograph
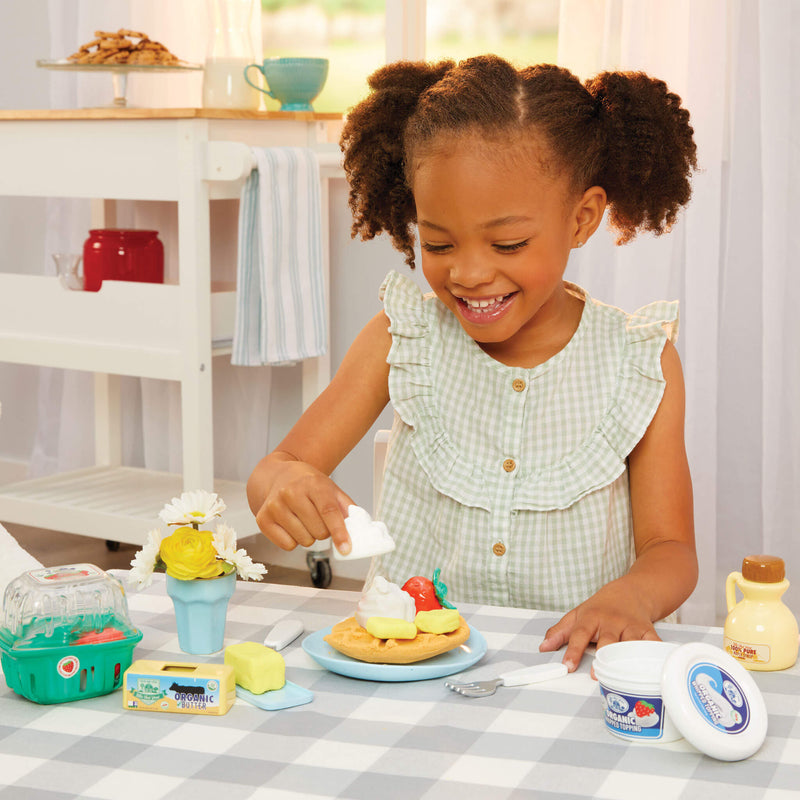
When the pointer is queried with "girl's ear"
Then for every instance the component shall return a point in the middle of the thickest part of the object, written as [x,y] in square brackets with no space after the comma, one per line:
[588,213]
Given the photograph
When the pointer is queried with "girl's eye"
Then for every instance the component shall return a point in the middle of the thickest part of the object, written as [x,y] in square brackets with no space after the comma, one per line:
[435,248]
[510,248]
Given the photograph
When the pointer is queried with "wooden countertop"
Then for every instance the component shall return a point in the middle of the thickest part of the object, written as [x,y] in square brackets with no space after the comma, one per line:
[163,113]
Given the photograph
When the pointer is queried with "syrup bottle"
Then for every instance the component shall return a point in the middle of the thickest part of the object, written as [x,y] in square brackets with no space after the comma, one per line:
[760,631]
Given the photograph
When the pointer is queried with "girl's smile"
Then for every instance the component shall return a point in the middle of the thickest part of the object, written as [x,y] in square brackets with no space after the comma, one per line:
[496,235]
[484,311]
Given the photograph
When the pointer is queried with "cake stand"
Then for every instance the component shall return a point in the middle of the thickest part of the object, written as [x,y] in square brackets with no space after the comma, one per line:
[119,73]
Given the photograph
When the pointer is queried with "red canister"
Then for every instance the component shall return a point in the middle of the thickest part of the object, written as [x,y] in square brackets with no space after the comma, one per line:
[117,254]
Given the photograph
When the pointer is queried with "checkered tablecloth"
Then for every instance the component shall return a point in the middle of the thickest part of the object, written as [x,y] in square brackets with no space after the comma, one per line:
[372,740]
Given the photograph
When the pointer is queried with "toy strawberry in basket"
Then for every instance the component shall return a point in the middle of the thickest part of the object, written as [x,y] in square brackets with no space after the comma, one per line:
[65,633]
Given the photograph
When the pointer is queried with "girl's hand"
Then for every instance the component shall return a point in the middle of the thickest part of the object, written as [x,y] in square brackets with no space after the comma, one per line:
[301,505]
[614,614]
[289,491]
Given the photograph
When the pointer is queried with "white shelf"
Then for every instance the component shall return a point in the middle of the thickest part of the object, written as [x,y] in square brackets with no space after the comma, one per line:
[115,503]
[170,332]
[123,329]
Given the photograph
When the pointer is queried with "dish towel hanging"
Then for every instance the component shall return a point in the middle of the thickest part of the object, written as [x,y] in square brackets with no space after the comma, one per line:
[281,313]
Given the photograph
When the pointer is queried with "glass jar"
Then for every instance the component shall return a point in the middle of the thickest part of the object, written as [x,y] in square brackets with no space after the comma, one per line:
[117,254]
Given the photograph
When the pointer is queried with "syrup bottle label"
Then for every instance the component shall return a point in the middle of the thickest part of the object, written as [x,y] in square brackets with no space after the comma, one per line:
[747,653]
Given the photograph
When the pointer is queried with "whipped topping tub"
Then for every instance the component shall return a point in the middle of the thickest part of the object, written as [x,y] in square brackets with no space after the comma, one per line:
[657,692]
[629,674]
[65,633]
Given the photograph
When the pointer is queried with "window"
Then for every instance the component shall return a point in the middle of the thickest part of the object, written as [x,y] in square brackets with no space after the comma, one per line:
[350,33]
[524,32]
[355,37]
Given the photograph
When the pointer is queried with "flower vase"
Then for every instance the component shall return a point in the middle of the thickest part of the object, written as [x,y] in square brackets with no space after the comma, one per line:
[201,607]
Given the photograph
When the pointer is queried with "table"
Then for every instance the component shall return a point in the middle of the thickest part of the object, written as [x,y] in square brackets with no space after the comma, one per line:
[366,739]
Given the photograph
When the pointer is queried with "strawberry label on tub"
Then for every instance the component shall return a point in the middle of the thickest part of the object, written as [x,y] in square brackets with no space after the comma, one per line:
[633,715]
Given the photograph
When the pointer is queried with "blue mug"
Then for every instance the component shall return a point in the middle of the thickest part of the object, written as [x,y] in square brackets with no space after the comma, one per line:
[293,82]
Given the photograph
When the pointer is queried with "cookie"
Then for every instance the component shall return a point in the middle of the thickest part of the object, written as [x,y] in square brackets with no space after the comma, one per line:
[116,48]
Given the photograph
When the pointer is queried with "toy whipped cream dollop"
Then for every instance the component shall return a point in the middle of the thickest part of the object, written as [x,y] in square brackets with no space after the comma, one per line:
[385,599]
[368,537]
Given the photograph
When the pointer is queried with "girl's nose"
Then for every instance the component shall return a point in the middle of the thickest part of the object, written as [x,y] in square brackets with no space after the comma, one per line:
[470,270]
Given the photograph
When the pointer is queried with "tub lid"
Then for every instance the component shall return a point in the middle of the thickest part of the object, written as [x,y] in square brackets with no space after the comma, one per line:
[714,702]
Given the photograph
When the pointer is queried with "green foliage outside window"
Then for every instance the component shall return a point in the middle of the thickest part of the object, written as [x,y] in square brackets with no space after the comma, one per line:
[350,34]
[330,7]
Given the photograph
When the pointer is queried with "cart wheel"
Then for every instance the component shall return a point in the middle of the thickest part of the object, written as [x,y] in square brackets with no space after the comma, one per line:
[112,545]
[320,569]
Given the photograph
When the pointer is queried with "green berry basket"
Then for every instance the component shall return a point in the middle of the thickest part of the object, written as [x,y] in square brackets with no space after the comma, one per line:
[66,634]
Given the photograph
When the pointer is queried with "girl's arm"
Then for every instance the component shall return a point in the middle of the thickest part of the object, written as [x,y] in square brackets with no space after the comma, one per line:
[665,571]
[289,491]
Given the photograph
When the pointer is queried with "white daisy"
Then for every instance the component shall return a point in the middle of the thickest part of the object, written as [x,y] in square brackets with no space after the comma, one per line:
[144,561]
[192,508]
[224,541]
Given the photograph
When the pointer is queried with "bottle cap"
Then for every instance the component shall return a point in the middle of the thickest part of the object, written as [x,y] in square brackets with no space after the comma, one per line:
[714,702]
[763,569]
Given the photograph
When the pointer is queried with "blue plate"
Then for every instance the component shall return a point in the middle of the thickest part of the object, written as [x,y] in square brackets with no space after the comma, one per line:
[290,695]
[449,663]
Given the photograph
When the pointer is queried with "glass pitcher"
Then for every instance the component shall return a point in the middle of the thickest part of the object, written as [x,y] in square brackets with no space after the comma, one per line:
[234,42]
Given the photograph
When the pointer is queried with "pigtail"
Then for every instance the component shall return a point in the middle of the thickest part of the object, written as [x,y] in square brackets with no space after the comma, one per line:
[372,143]
[649,151]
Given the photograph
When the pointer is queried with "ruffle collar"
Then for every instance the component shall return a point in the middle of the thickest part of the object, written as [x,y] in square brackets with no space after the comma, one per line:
[595,463]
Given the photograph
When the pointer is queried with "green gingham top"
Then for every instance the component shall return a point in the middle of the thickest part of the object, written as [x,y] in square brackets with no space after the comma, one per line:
[514,481]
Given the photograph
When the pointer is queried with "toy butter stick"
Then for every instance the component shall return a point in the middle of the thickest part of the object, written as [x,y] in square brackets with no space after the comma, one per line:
[368,537]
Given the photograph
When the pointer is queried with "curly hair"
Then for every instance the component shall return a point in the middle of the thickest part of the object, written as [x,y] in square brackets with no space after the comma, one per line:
[624,131]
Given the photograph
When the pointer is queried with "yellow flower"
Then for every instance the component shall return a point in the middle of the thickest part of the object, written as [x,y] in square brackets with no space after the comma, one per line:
[190,554]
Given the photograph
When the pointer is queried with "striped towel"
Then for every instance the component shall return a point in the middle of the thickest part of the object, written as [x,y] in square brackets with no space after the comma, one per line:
[281,313]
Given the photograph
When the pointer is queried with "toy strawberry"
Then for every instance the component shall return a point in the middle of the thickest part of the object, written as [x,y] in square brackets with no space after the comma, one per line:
[428,595]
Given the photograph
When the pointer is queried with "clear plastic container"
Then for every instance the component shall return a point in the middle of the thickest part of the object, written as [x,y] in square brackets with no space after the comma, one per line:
[66,633]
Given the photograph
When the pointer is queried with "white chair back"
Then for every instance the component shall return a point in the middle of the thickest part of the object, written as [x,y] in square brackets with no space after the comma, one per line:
[14,560]
[380,446]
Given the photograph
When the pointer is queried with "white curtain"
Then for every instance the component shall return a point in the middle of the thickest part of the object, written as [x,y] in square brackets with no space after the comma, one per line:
[736,63]
[151,419]
[730,260]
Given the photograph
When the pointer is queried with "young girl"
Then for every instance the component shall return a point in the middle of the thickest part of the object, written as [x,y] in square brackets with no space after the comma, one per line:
[537,455]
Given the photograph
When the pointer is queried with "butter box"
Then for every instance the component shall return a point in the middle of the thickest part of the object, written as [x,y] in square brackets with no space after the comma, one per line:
[180,687]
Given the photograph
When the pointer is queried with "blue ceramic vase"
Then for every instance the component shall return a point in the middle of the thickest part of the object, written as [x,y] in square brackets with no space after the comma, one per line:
[201,607]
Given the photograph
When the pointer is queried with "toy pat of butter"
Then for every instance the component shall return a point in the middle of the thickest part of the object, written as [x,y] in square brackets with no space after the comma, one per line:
[390,628]
[257,668]
[437,620]
[180,687]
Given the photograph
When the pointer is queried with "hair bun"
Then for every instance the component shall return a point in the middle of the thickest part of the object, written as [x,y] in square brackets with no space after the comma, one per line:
[650,151]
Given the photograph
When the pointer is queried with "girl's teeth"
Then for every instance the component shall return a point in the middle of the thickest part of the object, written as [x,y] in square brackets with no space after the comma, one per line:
[478,304]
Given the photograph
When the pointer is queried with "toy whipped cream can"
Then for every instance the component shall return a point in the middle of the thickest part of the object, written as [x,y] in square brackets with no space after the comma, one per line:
[760,631]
